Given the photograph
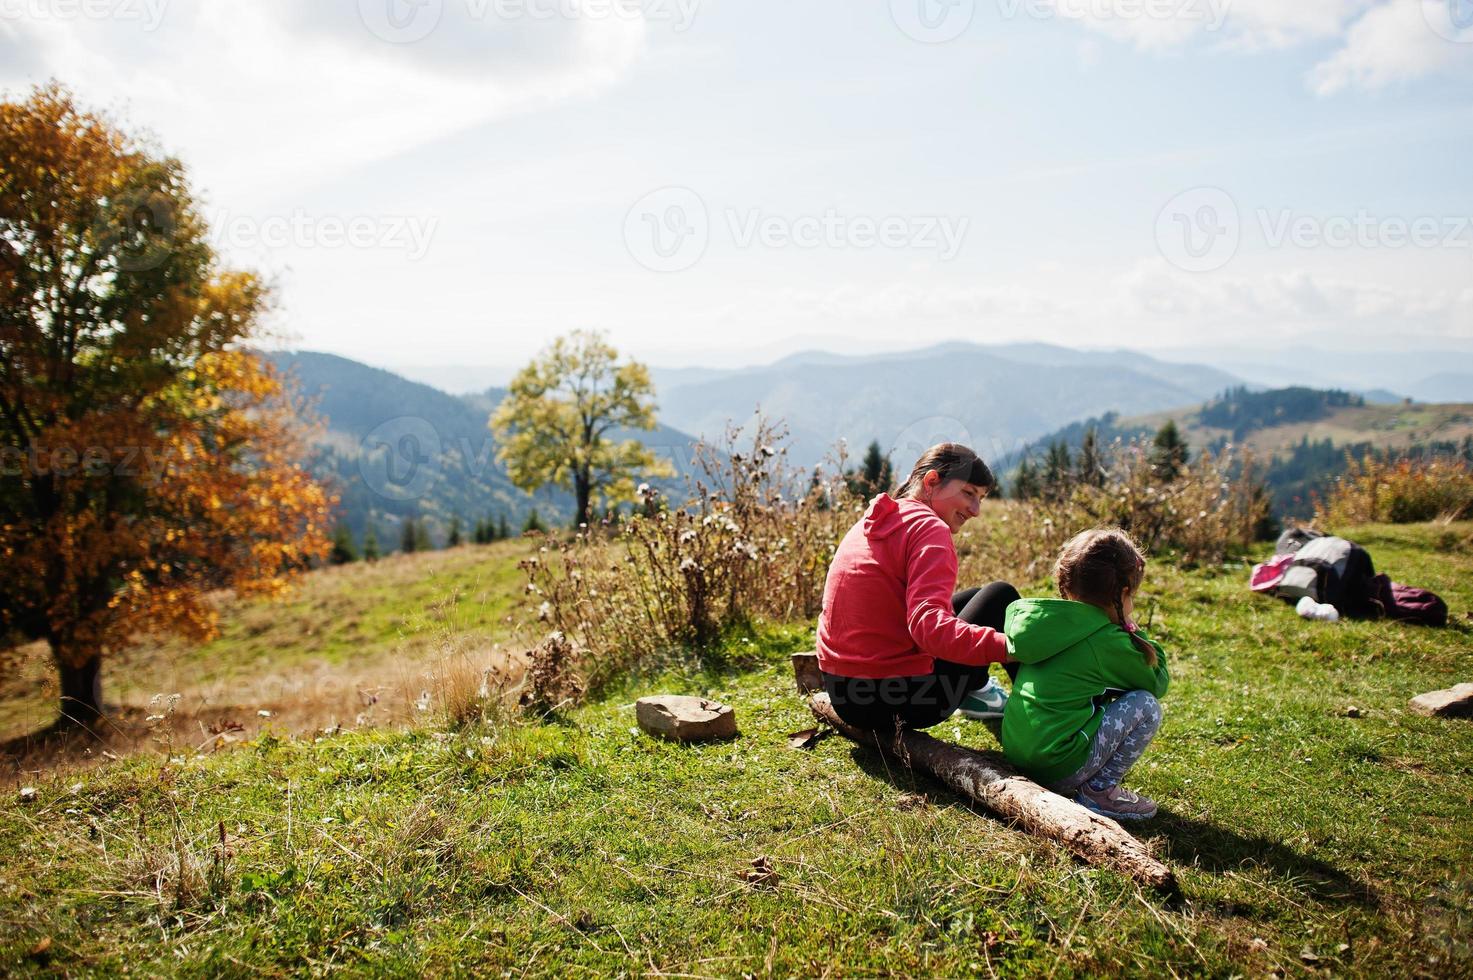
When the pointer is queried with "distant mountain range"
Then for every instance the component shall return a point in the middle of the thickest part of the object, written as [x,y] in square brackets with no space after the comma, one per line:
[1001,397]
[995,398]
[1434,374]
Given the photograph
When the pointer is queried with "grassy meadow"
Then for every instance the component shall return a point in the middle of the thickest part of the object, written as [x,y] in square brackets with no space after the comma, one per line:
[1315,825]
[346,641]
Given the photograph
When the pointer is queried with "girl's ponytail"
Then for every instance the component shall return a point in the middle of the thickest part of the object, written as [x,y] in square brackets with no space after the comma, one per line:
[1097,567]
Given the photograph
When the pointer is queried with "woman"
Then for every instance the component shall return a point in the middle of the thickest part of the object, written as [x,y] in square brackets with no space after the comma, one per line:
[897,648]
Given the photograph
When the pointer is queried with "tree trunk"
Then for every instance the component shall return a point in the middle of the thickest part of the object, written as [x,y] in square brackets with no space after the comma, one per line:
[998,788]
[81,692]
[583,487]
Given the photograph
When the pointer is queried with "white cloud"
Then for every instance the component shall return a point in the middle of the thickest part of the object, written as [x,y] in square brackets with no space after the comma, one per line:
[1395,42]
[1382,41]
[1149,302]
[257,95]
[1296,298]
[1243,24]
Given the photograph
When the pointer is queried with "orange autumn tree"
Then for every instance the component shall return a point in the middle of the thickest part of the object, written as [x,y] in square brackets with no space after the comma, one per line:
[146,457]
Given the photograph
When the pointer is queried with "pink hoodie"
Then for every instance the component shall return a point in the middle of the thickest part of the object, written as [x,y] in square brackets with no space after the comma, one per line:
[887,600]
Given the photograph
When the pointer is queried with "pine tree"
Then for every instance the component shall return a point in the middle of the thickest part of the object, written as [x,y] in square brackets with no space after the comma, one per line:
[502,530]
[452,537]
[343,551]
[1057,468]
[422,536]
[371,550]
[816,491]
[1168,452]
[1025,482]
[875,475]
[408,539]
[533,522]
[1089,465]
[479,535]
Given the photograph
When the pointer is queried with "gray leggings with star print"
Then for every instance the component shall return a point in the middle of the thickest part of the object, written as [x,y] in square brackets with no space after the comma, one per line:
[1127,728]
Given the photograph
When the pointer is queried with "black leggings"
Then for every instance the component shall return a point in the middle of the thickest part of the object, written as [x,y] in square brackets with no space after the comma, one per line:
[887,703]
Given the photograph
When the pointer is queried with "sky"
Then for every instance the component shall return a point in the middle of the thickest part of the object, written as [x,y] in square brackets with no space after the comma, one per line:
[723,182]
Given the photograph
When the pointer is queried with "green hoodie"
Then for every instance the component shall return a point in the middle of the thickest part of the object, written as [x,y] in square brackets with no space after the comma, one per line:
[1070,653]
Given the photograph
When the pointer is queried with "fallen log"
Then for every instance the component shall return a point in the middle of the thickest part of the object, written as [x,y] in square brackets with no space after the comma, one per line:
[1003,791]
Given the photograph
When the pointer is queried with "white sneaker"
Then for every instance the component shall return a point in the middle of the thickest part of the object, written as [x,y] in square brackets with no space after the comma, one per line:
[1322,611]
[984,703]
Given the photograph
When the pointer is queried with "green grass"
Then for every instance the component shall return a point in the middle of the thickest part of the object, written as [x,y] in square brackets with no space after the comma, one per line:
[361,620]
[1304,839]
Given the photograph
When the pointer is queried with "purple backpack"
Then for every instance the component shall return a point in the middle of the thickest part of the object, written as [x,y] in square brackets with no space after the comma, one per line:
[1410,604]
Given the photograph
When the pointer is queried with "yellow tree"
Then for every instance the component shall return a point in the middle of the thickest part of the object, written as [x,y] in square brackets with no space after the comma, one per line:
[146,457]
[560,412]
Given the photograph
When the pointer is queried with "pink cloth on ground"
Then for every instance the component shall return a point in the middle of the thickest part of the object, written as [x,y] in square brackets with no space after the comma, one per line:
[1269,574]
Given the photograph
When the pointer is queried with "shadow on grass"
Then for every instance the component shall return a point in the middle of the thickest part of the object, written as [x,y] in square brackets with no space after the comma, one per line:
[1219,850]
[1187,841]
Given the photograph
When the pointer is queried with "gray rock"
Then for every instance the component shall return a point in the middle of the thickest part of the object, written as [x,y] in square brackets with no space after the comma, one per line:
[683,718]
[1455,702]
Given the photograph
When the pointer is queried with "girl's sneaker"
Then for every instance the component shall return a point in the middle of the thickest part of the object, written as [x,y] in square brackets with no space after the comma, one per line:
[1116,803]
[984,703]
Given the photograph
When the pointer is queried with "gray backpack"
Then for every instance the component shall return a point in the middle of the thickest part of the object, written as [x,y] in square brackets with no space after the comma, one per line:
[1327,569]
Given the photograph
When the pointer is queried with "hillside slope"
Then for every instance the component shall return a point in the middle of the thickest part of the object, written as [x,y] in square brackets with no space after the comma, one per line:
[308,658]
[1307,837]
[1303,435]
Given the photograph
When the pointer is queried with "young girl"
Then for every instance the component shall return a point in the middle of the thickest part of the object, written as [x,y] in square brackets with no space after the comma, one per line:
[1083,706]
